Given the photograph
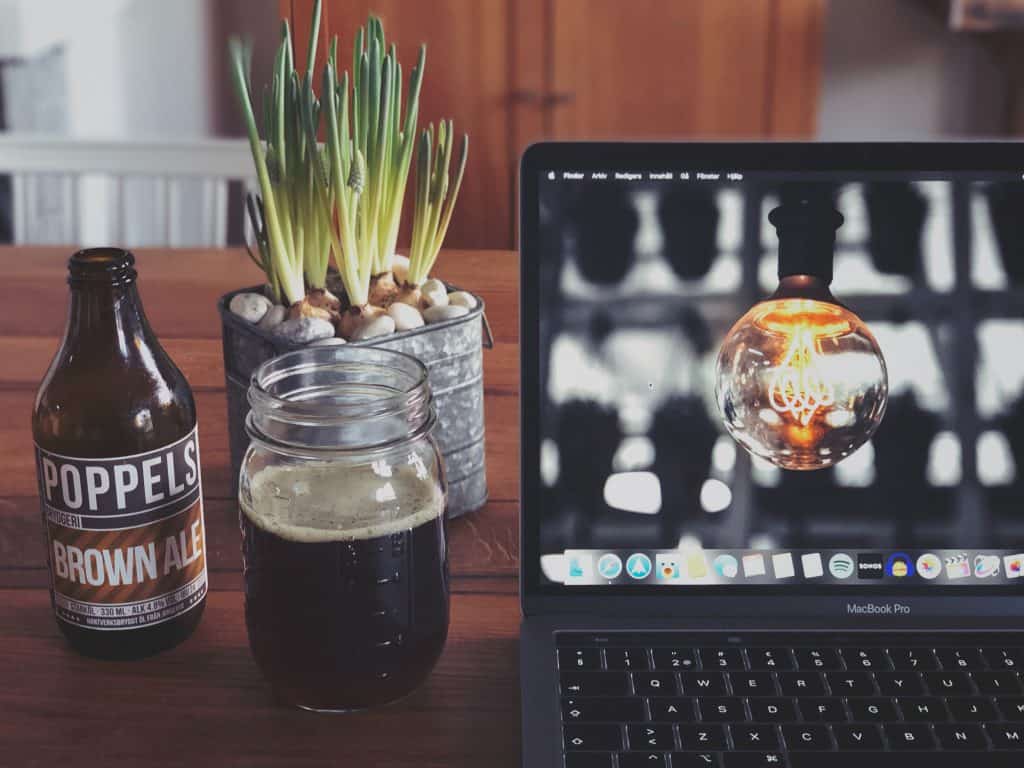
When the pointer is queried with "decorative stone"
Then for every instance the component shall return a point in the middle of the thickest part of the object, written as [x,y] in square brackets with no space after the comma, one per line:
[434,293]
[462,299]
[381,325]
[251,307]
[440,314]
[400,268]
[274,317]
[405,316]
[303,330]
[331,342]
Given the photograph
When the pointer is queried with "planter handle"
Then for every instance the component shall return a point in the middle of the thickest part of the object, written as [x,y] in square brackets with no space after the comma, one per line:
[488,340]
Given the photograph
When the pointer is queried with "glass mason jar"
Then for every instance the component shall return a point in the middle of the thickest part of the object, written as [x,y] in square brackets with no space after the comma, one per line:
[344,546]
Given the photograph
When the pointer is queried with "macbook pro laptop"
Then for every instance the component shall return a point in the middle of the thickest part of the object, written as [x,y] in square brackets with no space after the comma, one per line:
[688,605]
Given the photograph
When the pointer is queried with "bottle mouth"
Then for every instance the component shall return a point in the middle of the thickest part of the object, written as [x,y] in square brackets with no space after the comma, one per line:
[114,266]
[339,399]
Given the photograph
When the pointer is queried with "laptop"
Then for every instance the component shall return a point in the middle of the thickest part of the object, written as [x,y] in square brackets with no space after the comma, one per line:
[686,604]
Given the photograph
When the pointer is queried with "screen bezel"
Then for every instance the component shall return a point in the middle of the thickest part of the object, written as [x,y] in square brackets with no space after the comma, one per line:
[726,600]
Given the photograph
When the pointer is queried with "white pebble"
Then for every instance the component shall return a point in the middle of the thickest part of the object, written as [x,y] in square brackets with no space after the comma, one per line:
[274,317]
[381,325]
[439,314]
[462,299]
[400,268]
[251,307]
[434,293]
[302,330]
[332,341]
[406,317]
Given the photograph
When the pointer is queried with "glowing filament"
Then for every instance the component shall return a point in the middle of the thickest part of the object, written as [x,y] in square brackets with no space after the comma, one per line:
[797,385]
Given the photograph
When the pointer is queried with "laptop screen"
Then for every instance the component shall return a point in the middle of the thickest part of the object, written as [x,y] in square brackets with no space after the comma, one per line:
[642,273]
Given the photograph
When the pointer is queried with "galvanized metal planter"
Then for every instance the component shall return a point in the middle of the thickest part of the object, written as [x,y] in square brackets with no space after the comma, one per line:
[452,351]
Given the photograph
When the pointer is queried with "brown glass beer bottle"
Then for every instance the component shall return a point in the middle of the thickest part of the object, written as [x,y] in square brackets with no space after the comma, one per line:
[117,458]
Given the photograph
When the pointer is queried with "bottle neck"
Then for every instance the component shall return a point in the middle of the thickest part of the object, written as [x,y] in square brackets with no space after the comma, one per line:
[106,312]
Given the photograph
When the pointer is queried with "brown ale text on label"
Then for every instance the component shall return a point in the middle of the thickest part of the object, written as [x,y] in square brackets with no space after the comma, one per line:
[126,541]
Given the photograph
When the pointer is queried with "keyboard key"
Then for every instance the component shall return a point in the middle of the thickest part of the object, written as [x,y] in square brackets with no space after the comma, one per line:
[721,710]
[1004,658]
[913,659]
[625,658]
[948,683]
[801,684]
[873,710]
[1012,709]
[900,683]
[672,710]
[579,658]
[583,710]
[674,658]
[1006,735]
[960,658]
[926,709]
[806,736]
[822,710]
[772,659]
[851,683]
[595,683]
[650,737]
[772,710]
[865,658]
[704,684]
[721,658]
[695,760]
[588,760]
[942,759]
[972,710]
[961,736]
[817,658]
[752,683]
[753,760]
[641,760]
[702,737]
[655,684]
[909,736]
[592,737]
[751,736]
[858,736]
[1001,682]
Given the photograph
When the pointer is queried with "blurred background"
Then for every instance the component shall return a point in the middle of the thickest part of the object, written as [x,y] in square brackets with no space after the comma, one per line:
[118,125]
[117,122]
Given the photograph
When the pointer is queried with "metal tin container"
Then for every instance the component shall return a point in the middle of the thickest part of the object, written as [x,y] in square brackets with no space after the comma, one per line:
[451,350]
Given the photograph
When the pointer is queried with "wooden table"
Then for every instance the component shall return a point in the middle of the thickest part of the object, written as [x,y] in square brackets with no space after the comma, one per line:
[204,702]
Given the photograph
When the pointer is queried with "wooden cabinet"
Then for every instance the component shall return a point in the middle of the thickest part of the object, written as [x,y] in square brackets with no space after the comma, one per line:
[510,72]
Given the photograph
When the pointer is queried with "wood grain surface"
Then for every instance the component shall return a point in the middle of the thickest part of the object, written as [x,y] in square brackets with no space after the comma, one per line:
[204,703]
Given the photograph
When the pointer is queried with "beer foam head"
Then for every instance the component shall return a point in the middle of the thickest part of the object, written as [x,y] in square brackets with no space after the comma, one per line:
[331,502]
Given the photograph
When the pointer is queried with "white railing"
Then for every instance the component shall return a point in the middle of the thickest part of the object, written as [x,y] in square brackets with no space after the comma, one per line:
[91,192]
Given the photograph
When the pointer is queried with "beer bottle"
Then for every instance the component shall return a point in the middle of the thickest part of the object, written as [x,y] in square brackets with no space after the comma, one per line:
[117,459]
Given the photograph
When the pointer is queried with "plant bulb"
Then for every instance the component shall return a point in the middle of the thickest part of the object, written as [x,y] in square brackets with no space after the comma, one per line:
[800,379]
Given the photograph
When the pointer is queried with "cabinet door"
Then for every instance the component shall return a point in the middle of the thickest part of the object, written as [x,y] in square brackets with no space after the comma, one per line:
[683,68]
[466,79]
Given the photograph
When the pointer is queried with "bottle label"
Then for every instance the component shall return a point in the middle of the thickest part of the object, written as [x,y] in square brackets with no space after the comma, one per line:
[125,538]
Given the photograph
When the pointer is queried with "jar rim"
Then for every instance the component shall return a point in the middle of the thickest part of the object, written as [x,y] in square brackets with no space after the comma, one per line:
[328,389]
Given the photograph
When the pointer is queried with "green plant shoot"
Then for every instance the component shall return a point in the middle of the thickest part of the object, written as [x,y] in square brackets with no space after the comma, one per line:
[436,192]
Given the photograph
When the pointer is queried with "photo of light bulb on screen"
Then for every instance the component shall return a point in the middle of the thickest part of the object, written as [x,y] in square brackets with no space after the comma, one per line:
[800,379]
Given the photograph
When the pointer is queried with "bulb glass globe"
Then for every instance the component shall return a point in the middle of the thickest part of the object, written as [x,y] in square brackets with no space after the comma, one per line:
[800,380]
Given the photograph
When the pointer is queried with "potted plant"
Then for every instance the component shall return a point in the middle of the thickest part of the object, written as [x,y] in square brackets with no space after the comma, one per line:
[326,223]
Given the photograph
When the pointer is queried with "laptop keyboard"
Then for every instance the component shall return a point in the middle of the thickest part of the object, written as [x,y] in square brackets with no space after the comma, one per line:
[674,701]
